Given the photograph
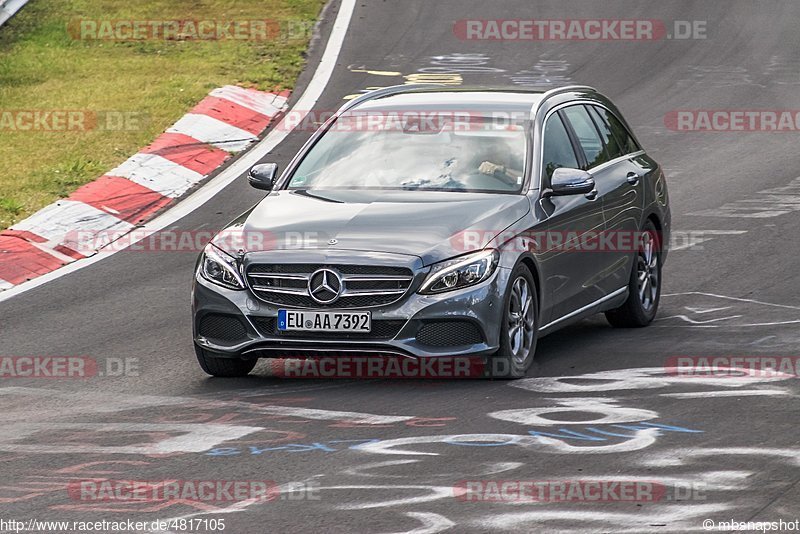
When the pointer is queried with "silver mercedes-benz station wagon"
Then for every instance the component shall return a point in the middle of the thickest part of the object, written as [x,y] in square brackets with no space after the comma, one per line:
[508,215]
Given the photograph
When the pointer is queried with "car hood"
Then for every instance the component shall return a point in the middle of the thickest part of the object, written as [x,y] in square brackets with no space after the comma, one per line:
[431,225]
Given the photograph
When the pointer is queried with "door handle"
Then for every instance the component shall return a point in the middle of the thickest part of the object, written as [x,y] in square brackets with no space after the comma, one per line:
[591,195]
[633,178]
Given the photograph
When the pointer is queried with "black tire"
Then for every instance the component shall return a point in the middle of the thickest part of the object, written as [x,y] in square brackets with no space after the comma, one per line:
[507,363]
[638,311]
[221,366]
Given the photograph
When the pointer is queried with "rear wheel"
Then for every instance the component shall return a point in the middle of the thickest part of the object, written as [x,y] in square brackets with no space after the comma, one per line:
[221,366]
[519,328]
[644,287]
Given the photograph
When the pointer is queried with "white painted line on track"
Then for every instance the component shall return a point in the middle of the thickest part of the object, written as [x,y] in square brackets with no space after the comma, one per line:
[787,306]
[731,393]
[193,437]
[331,415]
[9,8]
[306,101]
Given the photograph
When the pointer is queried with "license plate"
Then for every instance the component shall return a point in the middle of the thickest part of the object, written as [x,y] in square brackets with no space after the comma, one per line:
[324,321]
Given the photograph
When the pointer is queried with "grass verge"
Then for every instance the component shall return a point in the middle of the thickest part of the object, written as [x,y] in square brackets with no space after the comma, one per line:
[47,64]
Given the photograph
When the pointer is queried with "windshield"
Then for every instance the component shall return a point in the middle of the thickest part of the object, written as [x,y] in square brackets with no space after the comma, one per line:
[405,153]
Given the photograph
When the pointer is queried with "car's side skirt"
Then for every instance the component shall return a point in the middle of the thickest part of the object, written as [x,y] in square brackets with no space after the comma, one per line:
[589,309]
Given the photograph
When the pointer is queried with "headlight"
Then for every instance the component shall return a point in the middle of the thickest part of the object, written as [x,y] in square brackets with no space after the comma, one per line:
[461,272]
[220,268]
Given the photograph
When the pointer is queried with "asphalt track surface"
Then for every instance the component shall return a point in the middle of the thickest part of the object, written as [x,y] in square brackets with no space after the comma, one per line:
[733,442]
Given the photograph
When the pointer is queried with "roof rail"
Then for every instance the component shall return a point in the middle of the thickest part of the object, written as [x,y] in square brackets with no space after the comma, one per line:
[558,91]
[384,92]
[411,88]
[566,89]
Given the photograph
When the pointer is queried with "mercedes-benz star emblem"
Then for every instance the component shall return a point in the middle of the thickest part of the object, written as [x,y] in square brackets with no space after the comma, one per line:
[325,286]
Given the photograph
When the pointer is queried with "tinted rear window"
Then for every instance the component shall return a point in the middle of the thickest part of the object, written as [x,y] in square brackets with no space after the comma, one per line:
[624,139]
[609,139]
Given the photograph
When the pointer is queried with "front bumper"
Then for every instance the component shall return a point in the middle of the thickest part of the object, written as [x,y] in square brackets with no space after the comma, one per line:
[465,322]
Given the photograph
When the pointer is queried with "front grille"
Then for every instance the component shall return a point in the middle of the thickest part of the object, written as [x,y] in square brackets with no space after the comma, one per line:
[362,286]
[222,327]
[449,334]
[303,268]
[381,330]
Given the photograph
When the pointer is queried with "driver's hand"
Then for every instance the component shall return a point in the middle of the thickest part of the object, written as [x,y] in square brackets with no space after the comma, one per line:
[487,167]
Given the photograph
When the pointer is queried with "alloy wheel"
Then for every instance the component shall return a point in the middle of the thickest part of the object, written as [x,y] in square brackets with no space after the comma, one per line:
[521,319]
[647,272]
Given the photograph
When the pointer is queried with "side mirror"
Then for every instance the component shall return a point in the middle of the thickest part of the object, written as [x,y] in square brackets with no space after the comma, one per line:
[566,181]
[262,176]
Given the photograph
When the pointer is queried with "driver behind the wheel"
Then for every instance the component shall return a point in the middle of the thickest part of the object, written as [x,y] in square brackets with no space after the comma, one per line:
[501,162]
[507,174]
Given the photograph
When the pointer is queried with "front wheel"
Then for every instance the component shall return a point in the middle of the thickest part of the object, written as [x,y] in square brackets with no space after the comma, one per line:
[644,287]
[221,366]
[519,328]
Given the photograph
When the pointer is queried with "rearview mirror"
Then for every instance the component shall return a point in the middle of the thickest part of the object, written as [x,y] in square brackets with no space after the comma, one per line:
[566,181]
[262,176]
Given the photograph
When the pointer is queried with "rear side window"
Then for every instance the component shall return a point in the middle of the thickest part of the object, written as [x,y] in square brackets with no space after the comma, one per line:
[609,139]
[557,150]
[587,134]
[624,139]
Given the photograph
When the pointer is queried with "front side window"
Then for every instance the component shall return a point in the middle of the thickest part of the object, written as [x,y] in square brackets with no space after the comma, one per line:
[588,137]
[397,152]
[557,148]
